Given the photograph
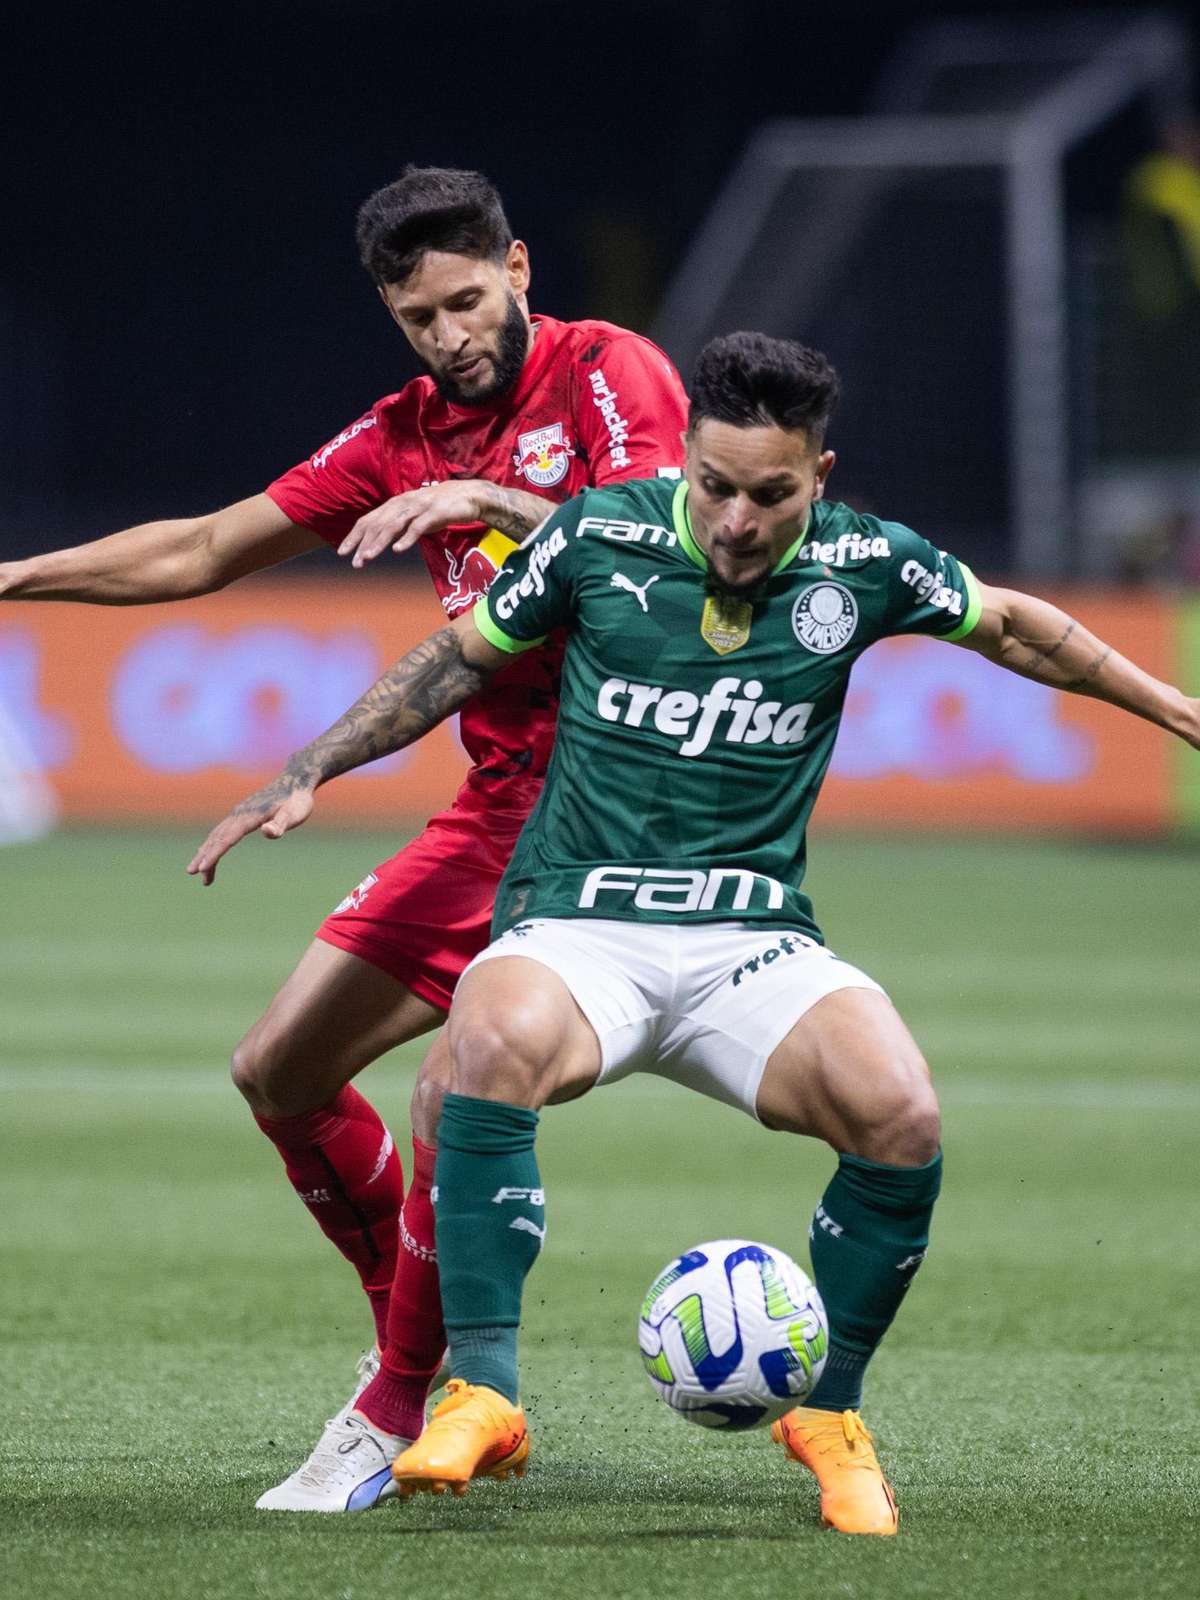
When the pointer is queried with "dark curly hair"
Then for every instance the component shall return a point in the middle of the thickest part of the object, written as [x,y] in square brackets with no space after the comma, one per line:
[751,381]
[430,208]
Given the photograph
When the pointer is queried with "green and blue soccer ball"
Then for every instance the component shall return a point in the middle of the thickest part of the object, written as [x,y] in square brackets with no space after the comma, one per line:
[733,1334]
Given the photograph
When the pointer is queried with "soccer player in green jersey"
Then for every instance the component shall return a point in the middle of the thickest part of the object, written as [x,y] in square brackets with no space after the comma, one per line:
[652,917]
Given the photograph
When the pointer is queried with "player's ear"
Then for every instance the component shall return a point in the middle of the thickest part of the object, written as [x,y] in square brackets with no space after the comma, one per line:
[825,463]
[516,267]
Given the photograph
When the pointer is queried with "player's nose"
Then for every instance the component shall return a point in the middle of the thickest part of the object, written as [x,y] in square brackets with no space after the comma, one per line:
[450,334]
[740,525]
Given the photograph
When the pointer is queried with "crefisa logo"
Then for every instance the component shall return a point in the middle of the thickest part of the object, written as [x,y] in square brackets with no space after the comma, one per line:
[824,617]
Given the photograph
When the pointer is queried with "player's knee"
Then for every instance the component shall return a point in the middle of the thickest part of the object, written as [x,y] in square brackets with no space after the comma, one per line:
[429,1091]
[243,1069]
[903,1126]
[509,1056]
[262,1074]
[888,1114]
[914,1134]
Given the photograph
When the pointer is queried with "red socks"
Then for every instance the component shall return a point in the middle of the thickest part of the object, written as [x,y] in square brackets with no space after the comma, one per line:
[342,1163]
[416,1338]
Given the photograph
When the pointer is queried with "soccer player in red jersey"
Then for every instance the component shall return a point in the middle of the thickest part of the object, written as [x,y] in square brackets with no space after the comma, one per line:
[516,414]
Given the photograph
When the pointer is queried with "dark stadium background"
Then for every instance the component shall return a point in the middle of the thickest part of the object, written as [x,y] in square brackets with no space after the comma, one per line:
[182,316]
[181,312]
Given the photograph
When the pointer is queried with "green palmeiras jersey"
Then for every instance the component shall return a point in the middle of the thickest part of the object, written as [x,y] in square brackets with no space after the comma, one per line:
[694,732]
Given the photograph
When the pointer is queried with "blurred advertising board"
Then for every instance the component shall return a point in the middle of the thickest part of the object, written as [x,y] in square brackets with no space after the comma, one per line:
[175,712]
[937,735]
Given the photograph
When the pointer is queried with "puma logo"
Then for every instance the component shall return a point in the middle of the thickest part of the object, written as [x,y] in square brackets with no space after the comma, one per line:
[524,1225]
[620,581]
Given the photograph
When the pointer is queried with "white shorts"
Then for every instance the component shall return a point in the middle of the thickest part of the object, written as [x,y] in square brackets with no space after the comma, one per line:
[703,1005]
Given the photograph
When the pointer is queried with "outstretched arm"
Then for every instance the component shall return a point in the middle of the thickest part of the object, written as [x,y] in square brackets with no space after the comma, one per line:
[405,518]
[170,560]
[421,690]
[1034,638]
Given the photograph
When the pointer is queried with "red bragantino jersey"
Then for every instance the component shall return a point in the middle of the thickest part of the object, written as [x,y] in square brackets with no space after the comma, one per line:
[594,405]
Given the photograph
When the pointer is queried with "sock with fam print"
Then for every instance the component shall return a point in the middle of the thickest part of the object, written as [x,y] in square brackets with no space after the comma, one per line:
[868,1237]
[490,1212]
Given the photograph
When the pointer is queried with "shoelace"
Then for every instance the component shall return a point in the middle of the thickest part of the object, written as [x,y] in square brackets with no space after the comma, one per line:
[842,1441]
[367,1367]
[458,1393]
[328,1460]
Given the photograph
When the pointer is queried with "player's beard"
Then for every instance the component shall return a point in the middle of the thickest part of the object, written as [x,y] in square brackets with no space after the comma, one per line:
[512,347]
[751,592]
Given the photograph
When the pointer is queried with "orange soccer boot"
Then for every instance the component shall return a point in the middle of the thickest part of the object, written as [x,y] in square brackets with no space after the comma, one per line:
[837,1450]
[474,1433]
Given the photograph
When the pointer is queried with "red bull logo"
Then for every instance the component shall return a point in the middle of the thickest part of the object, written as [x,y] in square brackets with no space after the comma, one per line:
[470,575]
[543,456]
[355,898]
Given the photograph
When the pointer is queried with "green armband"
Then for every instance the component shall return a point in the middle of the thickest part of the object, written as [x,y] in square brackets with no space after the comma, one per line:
[482,618]
[974,607]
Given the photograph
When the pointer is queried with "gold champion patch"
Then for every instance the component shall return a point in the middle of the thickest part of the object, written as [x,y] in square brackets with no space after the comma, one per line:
[725,623]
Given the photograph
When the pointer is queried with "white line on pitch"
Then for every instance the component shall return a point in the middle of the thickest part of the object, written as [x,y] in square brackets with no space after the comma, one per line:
[1068,1094]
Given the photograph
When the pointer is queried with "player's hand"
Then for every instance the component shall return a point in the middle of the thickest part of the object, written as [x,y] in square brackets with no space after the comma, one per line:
[1189,728]
[272,811]
[399,522]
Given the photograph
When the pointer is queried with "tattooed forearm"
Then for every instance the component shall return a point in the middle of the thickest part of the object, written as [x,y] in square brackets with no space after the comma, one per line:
[1091,672]
[514,511]
[422,689]
[1033,660]
[1050,653]
[1037,640]
[1082,660]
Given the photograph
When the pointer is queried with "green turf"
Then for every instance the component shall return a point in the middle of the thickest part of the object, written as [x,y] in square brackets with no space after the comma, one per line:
[176,1331]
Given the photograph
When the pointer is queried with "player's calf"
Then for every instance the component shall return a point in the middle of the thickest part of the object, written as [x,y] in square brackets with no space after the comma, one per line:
[342,1162]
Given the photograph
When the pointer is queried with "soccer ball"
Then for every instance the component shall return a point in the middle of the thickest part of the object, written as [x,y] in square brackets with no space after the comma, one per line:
[733,1334]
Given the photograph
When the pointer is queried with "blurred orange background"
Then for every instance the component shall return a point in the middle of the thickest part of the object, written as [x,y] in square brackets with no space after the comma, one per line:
[173,713]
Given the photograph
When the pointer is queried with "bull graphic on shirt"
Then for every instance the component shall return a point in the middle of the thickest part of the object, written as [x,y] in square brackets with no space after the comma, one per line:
[470,574]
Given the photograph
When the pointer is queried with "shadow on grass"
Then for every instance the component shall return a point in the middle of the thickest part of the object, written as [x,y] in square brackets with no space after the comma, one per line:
[562,1505]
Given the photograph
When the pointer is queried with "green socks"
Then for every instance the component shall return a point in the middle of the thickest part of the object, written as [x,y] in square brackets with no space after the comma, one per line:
[868,1237]
[490,1221]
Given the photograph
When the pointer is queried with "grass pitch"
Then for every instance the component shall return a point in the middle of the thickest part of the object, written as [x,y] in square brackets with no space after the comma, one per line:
[175,1329]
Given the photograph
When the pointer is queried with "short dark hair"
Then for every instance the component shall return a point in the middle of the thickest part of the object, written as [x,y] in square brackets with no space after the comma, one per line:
[430,208]
[753,381]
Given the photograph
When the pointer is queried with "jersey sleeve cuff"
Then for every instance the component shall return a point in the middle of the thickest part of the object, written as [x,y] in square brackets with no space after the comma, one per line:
[974,606]
[482,618]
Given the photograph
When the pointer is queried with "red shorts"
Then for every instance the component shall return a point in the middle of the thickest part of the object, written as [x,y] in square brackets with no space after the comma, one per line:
[425,913]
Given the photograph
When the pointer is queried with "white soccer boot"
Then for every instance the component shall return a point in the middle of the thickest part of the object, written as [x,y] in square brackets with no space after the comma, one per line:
[344,1471]
[349,1470]
[367,1368]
